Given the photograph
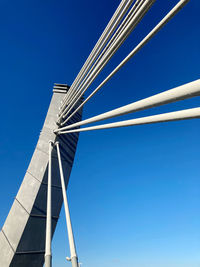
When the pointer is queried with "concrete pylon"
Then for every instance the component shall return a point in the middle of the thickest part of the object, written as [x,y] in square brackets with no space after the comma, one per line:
[22,238]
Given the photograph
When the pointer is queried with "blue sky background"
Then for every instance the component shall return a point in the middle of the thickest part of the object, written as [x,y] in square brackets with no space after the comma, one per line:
[134,192]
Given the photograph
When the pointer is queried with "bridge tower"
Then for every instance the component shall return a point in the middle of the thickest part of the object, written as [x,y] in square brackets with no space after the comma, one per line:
[22,238]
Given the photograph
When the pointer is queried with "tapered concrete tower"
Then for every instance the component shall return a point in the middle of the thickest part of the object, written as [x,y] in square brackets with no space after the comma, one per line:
[22,238]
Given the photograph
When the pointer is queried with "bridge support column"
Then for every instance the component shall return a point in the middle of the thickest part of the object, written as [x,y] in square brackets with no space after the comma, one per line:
[22,238]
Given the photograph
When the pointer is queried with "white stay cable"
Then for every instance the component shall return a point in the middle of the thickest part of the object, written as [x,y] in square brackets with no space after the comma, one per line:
[119,30]
[185,91]
[107,50]
[186,114]
[112,25]
[111,51]
[73,253]
[99,67]
[155,30]
[48,253]
[100,40]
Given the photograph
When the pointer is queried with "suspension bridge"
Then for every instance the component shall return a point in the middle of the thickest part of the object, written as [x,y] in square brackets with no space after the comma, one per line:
[25,239]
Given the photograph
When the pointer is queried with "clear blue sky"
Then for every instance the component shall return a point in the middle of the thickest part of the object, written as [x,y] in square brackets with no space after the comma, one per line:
[134,193]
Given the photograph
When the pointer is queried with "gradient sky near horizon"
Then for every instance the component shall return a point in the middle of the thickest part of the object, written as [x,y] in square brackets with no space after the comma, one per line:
[134,193]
